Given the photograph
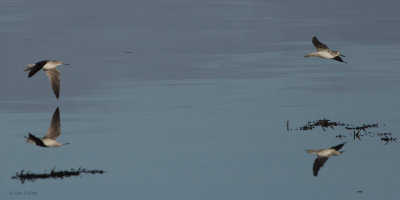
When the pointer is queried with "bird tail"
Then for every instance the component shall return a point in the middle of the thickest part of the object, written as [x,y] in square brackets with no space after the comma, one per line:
[29,139]
[311,151]
[311,54]
[29,67]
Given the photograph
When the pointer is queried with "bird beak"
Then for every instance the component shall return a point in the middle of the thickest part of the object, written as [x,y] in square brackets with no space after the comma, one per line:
[65,64]
[342,55]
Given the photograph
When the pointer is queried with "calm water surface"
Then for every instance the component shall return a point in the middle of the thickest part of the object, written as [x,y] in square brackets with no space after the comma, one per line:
[189,99]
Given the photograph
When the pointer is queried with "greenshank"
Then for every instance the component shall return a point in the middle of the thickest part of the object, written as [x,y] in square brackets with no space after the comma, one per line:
[324,52]
[49,140]
[49,67]
[323,155]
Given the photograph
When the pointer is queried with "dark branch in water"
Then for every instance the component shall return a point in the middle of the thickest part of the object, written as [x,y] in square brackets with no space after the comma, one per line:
[28,176]
[357,135]
[287,126]
[363,127]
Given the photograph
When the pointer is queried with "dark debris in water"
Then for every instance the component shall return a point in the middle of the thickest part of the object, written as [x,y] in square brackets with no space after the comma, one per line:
[340,136]
[54,174]
[356,130]
[388,139]
[323,123]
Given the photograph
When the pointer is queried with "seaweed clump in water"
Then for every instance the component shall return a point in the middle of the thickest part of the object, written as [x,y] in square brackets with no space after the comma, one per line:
[28,176]
[385,137]
[358,131]
[324,123]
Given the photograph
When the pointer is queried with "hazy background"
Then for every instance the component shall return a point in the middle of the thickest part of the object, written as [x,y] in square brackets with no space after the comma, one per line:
[189,99]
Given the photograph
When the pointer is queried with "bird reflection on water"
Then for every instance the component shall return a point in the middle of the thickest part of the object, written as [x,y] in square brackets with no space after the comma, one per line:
[49,140]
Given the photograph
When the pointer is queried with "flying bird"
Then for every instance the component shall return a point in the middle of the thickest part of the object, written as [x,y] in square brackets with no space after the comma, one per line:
[49,140]
[49,67]
[324,52]
[323,155]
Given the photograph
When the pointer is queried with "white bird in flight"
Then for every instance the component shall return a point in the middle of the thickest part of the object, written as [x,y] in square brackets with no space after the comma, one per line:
[323,155]
[49,140]
[324,52]
[49,67]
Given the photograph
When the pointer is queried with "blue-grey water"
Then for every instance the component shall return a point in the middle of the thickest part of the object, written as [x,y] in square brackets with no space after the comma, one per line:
[185,99]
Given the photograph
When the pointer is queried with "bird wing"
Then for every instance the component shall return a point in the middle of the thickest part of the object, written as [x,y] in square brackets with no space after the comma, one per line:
[337,147]
[319,45]
[35,68]
[318,163]
[338,58]
[55,126]
[54,77]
